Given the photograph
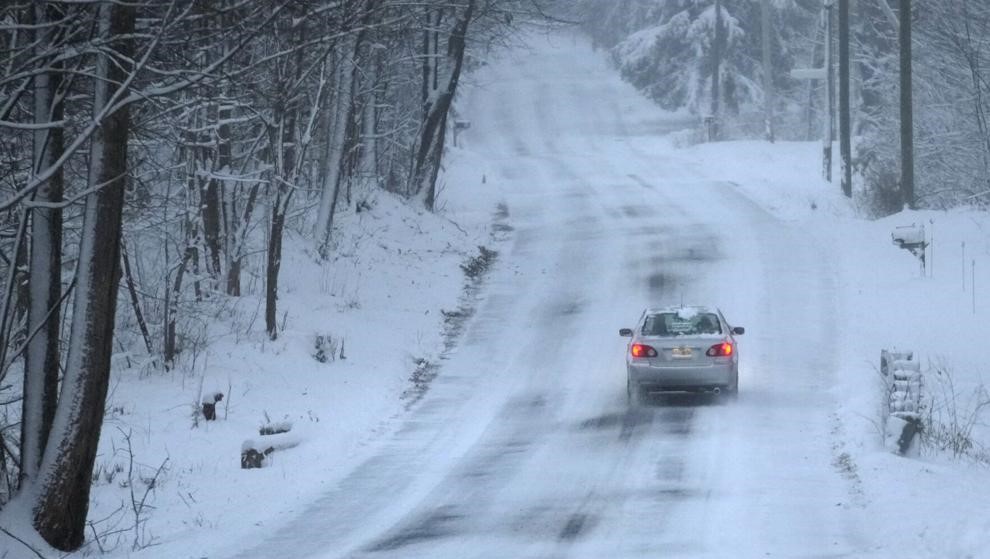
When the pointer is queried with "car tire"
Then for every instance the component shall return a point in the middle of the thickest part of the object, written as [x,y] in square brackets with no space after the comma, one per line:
[733,391]
[634,395]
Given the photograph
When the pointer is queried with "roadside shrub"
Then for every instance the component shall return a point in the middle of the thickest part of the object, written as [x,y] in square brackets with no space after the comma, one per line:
[953,416]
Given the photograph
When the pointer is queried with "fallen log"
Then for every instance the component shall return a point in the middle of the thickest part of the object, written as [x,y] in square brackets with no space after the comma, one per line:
[255,451]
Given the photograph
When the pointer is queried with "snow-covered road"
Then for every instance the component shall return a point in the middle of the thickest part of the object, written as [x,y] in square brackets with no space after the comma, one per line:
[524,445]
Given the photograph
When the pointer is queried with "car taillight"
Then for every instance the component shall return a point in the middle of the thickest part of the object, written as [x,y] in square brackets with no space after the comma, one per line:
[723,349]
[642,350]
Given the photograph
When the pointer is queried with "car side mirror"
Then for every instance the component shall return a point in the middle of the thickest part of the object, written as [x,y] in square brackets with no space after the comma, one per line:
[738,330]
[625,332]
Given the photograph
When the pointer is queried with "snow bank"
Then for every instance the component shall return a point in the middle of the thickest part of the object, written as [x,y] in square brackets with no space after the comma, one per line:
[934,506]
[394,270]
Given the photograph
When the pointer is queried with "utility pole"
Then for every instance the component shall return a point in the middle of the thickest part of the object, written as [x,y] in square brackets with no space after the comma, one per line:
[829,94]
[907,116]
[716,62]
[826,75]
[845,143]
[768,92]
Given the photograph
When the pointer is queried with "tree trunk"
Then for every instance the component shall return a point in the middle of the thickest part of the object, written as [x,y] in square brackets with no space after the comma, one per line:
[234,277]
[227,207]
[875,35]
[431,58]
[169,347]
[14,326]
[768,92]
[274,263]
[366,149]
[41,360]
[970,51]
[369,142]
[907,115]
[135,299]
[284,150]
[210,208]
[225,162]
[426,166]
[65,476]
[289,142]
[336,136]
[237,233]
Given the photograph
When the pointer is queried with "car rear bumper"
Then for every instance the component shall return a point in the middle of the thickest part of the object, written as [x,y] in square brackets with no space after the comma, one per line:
[657,379]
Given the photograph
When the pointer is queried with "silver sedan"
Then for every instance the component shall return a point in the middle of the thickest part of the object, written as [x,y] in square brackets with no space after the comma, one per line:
[681,349]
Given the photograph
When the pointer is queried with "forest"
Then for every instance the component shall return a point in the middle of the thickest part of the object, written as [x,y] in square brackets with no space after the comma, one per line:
[666,50]
[154,154]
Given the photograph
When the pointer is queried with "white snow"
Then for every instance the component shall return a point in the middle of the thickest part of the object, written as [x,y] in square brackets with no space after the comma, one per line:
[687,313]
[278,441]
[523,446]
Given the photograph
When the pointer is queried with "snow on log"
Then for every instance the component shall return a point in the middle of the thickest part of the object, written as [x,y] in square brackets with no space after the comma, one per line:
[275,428]
[255,451]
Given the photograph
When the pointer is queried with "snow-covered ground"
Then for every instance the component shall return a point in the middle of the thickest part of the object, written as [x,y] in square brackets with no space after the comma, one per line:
[523,445]
[932,506]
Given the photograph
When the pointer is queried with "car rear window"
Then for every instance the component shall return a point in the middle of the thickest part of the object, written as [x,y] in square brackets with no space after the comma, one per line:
[681,324]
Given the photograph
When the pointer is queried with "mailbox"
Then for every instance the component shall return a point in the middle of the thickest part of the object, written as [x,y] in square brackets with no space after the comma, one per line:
[911,238]
[459,126]
[908,236]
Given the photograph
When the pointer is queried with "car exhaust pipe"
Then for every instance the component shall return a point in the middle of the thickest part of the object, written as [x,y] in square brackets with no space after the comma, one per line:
[717,391]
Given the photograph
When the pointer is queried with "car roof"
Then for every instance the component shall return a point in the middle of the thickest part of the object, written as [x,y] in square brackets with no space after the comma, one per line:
[675,308]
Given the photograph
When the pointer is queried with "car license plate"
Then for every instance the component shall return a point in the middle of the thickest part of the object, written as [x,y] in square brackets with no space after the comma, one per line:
[681,352]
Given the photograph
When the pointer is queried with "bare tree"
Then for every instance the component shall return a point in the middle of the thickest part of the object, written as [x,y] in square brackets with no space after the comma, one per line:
[338,117]
[176,123]
[41,359]
[440,79]
[290,132]
[63,483]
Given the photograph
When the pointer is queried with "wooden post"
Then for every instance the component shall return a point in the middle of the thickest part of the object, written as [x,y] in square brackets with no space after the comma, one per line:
[845,140]
[209,402]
